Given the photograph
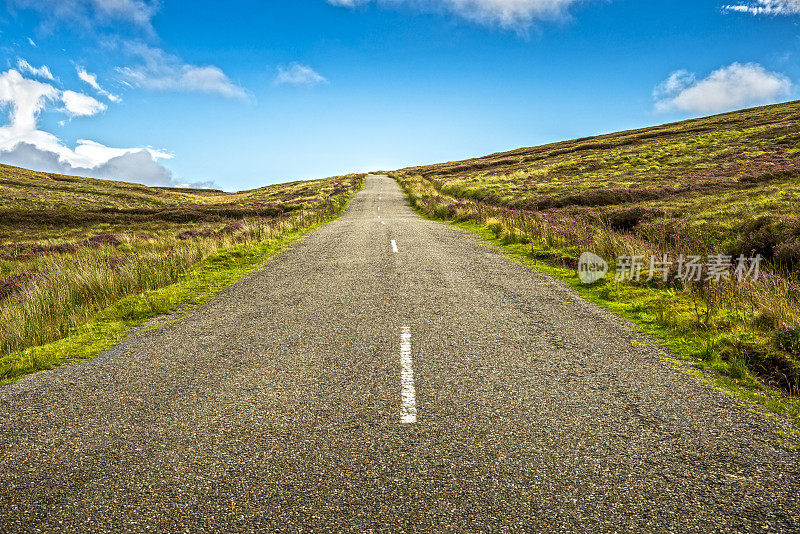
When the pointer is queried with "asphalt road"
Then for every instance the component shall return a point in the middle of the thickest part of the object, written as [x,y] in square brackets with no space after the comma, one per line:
[349,387]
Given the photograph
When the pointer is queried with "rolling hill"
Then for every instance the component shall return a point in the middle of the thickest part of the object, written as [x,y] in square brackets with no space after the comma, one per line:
[82,260]
[719,189]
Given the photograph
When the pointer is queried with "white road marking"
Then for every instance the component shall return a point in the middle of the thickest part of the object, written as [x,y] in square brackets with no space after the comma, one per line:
[379,208]
[408,406]
[383,222]
[394,246]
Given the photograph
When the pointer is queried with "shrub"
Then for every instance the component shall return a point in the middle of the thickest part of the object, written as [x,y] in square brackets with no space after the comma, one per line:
[787,254]
[103,239]
[441,212]
[495,226]
[767,235]
[12,285]
[191,234]
[628,218]
[787,338]
[232,227]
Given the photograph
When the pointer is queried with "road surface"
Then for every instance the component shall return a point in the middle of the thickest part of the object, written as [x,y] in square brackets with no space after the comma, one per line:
[388,373]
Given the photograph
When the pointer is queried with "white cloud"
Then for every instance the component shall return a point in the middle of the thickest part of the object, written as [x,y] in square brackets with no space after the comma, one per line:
[297,74]
[136,165]
[136,11]
[91,13]
[93,151]
[32,43]
[166,72]
[91,79]
[733,87]
[23,144]
[26,99]
[676,82]
[767,7]
[41,72]
[81,105]
[158,69]
[507,14]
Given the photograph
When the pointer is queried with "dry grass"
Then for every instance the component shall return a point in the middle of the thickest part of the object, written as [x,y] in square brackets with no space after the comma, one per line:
[49,286]
[722,185]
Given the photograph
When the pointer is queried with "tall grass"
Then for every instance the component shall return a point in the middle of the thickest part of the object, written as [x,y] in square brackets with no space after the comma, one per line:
[738,321]
[68,289]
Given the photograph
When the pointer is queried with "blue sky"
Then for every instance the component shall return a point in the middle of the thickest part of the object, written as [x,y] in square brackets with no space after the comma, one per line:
[249,93]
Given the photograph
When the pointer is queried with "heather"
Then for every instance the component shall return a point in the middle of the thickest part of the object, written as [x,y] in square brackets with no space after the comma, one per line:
[108,242]
[723,187]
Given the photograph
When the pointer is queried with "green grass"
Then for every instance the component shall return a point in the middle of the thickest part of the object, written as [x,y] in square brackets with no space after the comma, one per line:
[111,325]
[714,175]
[649,309]
[71,285]
[38,206]
[727,184]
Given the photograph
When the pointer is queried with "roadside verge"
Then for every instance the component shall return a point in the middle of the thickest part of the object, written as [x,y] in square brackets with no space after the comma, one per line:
[656,312]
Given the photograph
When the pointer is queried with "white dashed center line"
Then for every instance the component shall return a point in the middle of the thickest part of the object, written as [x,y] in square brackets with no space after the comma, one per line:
[408,407]
[394,246]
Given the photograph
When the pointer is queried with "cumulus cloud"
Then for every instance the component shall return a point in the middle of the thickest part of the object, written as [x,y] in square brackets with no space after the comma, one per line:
[26,99]
[297,74]
[507,14]
[766,7]
[166,72]
[81,105]
[41,72]
[137,165]
[91,79]
[24,145]
[733,87]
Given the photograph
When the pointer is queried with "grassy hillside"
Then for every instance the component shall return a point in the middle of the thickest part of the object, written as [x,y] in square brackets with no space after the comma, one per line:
[723,178]
[41,206]
[75,251]
[725,185]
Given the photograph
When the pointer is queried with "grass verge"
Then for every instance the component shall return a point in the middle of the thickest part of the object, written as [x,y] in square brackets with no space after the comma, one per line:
[67,299]
[636,305]
[668,316]
[111,325]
